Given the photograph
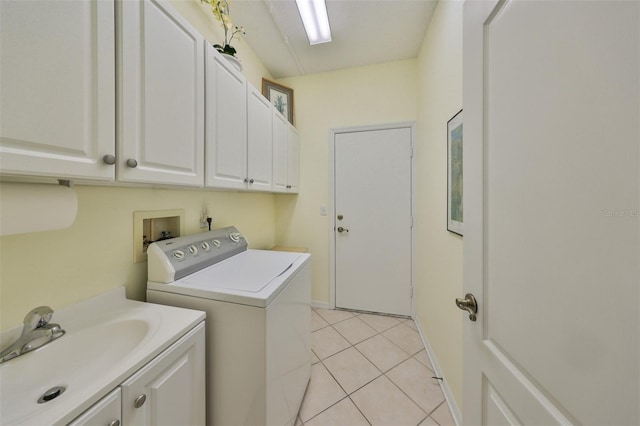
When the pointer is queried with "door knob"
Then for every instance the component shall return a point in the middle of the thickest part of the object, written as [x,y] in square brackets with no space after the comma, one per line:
[468,304]
[341,229]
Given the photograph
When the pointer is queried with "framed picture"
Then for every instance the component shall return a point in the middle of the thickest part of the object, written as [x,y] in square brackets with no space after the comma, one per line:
[280,96]
[454,174]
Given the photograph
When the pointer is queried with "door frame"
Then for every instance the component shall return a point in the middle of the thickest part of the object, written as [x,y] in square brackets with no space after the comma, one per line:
[411,125]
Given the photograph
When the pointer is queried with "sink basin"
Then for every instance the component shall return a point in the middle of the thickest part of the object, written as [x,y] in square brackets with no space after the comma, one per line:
[70,361]
[103,345]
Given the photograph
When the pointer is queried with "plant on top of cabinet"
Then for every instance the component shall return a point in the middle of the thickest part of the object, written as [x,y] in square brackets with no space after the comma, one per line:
[220,9]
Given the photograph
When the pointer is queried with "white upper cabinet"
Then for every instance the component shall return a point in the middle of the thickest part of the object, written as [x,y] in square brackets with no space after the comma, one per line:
[286,155]
[226,124]
[259,141]
[160,90]
[57,96]
[293,159]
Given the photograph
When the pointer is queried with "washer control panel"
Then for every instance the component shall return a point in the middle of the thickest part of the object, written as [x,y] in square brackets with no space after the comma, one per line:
[175,258]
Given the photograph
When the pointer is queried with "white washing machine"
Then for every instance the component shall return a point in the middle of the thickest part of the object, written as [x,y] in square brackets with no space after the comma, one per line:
[258,325]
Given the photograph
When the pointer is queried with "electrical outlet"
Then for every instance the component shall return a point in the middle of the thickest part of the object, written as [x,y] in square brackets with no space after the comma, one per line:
[204,214]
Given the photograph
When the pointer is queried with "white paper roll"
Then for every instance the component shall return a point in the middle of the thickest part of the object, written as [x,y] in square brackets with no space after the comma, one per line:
[31,207]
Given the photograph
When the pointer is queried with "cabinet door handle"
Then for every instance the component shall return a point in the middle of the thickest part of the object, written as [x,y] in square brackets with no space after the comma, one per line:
[109,159]
[139,401]
[115,423]
[132,163]
[250,180]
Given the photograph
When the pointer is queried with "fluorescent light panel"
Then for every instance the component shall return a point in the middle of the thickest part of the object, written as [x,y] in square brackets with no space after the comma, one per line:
[315,19]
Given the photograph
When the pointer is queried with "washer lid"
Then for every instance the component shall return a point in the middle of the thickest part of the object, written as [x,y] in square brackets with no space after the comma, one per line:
[248,272]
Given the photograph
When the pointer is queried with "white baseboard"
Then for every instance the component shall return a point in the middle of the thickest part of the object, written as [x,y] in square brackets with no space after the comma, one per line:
[444,385]
[321,305]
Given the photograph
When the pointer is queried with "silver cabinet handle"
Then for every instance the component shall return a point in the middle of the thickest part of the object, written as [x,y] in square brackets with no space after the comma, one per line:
[468,304]
[115,423]
[132,163]
[139,401]
[109,159]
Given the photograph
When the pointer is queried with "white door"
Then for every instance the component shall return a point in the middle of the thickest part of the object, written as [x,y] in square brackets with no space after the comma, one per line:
[259,141]
[170,389]
[226,124]
[57,91]
[373,220]
[160,95]
[552,229]
[280,166]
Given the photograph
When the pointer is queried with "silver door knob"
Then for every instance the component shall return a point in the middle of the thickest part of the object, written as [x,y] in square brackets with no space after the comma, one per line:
[115,423]
[468,304]
[132,163]
[341,229]
[109,159]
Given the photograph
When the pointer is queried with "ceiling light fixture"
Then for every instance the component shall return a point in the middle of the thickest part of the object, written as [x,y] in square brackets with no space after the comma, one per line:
[315,19]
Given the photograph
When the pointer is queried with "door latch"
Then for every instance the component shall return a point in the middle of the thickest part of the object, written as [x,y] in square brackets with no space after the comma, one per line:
[468,304]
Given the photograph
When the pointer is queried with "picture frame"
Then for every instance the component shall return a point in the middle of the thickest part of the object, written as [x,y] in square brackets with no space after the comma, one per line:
[454,174]
[281,97]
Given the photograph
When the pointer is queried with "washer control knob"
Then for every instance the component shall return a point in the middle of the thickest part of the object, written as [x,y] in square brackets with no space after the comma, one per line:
[193,249]
[178,254]
[235,237]
[205,246]
[216,243]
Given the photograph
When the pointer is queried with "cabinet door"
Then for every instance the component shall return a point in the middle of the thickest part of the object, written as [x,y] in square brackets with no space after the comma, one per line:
[170,390]
[293,159]
[226,124]
[160,95]
[279,152]
[106,412]
[57,97]
[259,140]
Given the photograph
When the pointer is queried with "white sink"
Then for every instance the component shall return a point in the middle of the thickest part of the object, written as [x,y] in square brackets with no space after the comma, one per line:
[106,340]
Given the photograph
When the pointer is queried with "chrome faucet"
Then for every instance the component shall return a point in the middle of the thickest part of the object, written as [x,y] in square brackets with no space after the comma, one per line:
[37,332]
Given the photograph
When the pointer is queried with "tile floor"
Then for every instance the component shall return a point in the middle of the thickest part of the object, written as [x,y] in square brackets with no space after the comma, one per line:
[370,370]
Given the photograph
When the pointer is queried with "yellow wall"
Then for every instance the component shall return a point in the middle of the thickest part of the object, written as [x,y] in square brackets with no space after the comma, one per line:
[94,255]
[439,252]
[374,94]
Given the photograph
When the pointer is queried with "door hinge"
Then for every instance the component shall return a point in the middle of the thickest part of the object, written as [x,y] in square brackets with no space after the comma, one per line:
[411,222]
[411,292]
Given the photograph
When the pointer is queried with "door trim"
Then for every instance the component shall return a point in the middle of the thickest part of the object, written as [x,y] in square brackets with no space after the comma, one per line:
[411,125]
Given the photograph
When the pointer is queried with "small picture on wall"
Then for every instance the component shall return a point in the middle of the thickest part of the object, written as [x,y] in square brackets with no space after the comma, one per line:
[454,174]
[280,96]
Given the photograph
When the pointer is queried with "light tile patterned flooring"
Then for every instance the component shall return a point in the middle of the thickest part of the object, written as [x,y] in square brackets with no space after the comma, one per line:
[370,370]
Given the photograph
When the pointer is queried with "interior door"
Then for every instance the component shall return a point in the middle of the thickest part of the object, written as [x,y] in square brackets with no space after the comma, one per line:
[373,220]
[552,232]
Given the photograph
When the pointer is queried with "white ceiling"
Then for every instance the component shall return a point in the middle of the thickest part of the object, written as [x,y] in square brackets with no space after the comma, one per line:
[364,32]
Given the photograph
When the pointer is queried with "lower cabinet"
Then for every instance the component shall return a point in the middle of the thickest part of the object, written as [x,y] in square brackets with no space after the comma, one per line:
[169,390]
[107,412]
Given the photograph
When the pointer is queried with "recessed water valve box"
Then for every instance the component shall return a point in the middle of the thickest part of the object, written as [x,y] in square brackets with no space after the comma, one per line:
[157,225]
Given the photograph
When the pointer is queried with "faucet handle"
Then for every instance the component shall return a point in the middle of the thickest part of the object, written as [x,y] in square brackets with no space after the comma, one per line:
[37,317]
